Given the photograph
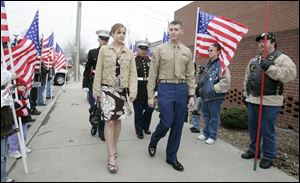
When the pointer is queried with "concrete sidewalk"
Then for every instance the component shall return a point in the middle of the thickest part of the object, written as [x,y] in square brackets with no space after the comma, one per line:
[64,150]
[34,127]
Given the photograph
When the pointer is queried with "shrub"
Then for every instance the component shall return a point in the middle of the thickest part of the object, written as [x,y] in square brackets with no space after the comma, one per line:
[234,118]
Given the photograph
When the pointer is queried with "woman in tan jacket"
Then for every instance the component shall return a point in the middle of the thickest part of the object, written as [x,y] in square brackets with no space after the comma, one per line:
[115,74]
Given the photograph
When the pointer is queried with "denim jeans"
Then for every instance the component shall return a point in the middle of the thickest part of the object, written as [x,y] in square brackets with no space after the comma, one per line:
[13,140]
[49,86]
[268,133]
[211,113]
[172,99]
[3,159]
[196,113]
[41,98]
[196,121]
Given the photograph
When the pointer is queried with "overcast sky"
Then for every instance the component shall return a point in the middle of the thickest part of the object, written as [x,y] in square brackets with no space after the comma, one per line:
[142,19]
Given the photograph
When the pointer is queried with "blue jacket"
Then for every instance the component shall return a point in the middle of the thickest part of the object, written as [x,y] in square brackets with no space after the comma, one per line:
[209,79]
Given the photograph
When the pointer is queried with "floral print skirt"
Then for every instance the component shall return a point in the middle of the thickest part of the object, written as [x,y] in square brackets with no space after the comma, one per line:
[114,103]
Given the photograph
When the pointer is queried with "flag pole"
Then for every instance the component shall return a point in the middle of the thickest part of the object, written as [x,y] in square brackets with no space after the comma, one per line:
[52,70]
[194,57]
[262,88]
[2,57]
[17,125]
[45,90]
[66,74]
[196,31]
[52,57]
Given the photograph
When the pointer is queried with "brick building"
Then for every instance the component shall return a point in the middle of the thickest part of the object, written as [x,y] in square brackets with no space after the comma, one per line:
[284,22]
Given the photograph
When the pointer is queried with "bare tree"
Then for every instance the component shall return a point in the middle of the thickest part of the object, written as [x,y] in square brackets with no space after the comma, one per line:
[69,49]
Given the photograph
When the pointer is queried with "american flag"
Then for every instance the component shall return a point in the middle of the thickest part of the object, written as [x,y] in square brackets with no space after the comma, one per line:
[25,53]
[47,51]
[217,29]
[166,37]
[59,60]
[4,25]
[148,52]
[132,47]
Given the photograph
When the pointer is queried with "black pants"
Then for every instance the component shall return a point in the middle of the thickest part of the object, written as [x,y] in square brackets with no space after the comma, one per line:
[33,98]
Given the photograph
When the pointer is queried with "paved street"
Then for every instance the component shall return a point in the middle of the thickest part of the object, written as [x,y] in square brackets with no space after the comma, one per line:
[64,150]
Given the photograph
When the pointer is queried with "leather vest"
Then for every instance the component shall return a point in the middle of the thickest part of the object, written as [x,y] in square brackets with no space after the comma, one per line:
[271,87]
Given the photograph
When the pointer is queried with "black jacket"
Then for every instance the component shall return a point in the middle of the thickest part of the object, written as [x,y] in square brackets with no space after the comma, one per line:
[142,67]
[88,75]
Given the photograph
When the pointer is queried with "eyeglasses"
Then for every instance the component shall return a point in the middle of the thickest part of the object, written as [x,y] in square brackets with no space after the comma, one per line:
[210,50]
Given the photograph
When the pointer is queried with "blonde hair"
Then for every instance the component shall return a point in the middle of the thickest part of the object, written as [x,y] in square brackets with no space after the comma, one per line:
[115,27]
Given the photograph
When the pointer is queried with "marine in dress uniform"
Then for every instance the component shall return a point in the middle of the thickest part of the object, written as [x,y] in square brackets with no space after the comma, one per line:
[173,69]
[142,111]
[89,73]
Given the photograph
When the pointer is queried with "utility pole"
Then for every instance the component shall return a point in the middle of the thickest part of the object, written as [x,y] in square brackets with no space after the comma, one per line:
[78,28]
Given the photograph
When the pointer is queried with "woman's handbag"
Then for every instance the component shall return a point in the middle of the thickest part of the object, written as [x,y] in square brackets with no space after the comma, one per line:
[95,116]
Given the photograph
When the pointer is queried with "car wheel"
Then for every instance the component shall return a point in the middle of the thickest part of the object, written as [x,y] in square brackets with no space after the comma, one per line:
[59,79]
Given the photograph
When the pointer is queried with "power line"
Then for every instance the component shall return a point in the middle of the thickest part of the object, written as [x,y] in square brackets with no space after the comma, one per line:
[149,7]
[9,3]
[136,14]
[27,8]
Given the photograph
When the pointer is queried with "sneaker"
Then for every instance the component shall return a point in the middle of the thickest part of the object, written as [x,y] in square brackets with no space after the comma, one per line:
[15,155]
[28,150]
[10,180]
[201,137]
[210,141]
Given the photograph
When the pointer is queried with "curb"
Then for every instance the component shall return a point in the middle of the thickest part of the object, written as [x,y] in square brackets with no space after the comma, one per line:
[32,131]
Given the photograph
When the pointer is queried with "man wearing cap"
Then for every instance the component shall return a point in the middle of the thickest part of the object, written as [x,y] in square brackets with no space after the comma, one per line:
[278,69]
[142,111]
[89,72]
[173,69]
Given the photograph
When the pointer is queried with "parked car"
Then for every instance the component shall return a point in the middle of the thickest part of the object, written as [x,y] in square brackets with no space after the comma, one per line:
[60,76]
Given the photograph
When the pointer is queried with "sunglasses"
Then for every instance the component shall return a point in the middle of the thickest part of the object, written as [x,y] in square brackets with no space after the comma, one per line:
[104,38]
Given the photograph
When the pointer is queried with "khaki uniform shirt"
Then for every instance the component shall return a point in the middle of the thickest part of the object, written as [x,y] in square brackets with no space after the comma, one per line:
[106,70]
[283,70]
[171,62]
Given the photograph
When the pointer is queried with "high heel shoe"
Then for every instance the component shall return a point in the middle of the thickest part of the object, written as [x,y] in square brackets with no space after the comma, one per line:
[116,155]
[112,168]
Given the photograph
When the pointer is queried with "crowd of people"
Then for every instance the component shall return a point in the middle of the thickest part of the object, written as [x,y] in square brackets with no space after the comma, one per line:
[25,102]
[114,76]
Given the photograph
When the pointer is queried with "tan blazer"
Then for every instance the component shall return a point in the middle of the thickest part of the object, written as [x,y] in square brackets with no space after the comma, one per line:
[106,70]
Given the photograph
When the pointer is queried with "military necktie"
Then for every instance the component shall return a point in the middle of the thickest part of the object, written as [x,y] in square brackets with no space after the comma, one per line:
[177,61]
